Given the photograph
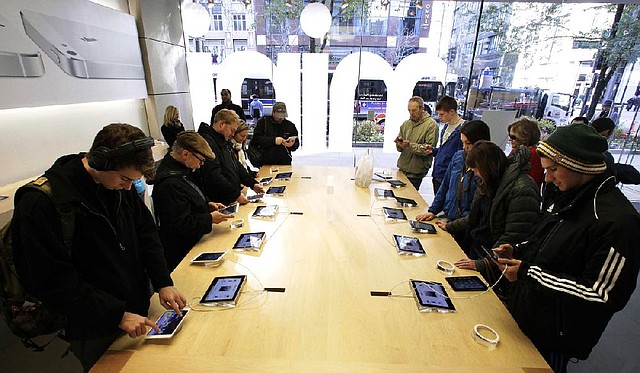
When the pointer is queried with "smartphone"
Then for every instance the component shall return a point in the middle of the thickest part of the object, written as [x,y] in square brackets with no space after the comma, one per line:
[19,55]
[169,324]
[490,253]
[86,51]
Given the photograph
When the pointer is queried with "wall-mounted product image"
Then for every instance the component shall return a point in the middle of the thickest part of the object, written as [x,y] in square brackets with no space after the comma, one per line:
[83,50]
[19,57]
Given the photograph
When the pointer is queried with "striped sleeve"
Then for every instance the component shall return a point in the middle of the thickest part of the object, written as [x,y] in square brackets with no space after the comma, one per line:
[599,292]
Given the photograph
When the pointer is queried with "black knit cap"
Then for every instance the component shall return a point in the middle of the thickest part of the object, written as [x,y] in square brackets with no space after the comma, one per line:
[577,147]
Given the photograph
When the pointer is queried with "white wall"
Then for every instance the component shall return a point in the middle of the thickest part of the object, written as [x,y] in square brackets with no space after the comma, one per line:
[32,138]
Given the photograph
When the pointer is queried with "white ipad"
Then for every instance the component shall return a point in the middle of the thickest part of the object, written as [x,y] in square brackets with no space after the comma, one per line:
[266,212]
[249,241]
[19,56]
[211,258]
[83,50]
[169,324]
[230,210]
[276,190]
[223,291]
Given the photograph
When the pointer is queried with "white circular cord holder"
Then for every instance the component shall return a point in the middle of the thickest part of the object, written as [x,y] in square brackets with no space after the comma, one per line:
[485,335]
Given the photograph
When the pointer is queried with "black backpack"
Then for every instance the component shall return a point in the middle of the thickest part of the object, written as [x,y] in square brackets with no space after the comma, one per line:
[25,315]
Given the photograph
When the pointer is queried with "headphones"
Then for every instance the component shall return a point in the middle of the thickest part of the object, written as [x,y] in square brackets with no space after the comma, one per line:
[100,157]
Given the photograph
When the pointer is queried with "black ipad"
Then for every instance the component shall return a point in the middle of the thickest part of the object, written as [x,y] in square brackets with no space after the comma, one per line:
[406,202]
[431,296]
[422,227]
[408,245]
[396,183]
[249,241]
[394,214]
[382,176]
[265,180]
[284,176]
[466,283]
[255,197]
[384,193]
[223,290]
[269,211]
[276,189]
[230,210]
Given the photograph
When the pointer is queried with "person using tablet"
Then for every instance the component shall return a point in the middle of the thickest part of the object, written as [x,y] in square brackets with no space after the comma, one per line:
[99,281]
[182,211]
[223,177]
[276,136]
[459,183]
[504,208]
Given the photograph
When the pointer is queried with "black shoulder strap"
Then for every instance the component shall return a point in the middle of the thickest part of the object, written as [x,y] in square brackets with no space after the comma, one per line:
[65,211]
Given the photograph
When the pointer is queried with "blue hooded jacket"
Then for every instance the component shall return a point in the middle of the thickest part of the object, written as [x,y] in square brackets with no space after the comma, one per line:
[446,199]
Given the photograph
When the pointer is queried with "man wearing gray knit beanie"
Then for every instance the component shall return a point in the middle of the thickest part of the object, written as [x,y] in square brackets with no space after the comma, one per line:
[581,264]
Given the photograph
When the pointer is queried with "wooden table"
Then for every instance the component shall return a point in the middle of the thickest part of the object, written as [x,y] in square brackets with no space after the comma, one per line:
[329,260]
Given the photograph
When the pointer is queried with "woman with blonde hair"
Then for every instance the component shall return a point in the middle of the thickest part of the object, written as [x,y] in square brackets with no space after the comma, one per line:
[239,141]
[171,126]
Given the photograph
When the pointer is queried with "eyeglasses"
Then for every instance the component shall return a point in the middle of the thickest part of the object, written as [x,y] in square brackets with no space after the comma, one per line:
[513,137]
[201,160]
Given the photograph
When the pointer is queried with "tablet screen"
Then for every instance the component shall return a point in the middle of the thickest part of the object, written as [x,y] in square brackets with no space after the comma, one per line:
[384,193]
[255,197]
[406,201]
[265,180]
[284,175]
[230,210]
[266,211]
[431,295]
[168,323]
[249,241]
[383,176]
[223,289]
[276,189]
[466,283]
[408,244]
[208,257]
[396,183]
[391,213]
[422,226]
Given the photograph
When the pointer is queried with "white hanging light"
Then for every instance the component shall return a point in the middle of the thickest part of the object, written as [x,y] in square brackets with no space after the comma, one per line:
[315,20]
[195,19]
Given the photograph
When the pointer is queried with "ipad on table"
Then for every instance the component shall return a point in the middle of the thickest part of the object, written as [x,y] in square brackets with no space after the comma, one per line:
[266,212]
[406,202]
[265,180]
[223,291]
[393,214]
[383,193]
[466,283]
[276,190]
[209,258]
[169,324]
[407,245]
[230,210]
[431,297]
[284,176]
[255,197]
[422,227]
[396,183]
[249,241]
[382,176]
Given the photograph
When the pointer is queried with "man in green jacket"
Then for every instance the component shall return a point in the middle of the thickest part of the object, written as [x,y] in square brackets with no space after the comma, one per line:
[415,134]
